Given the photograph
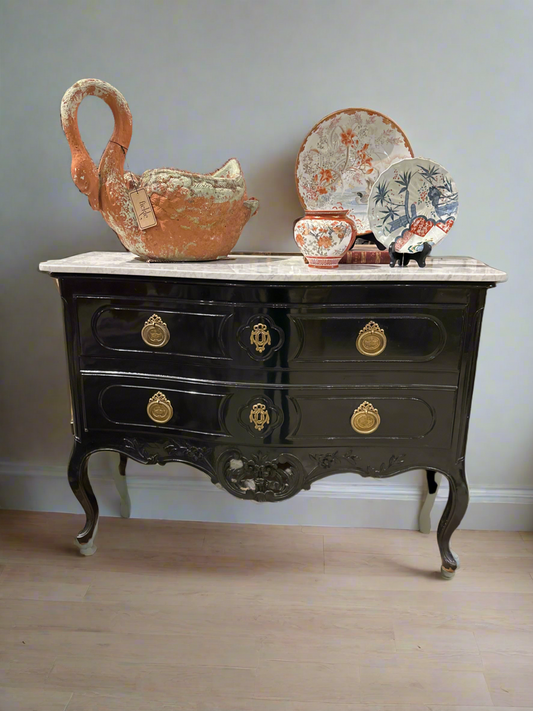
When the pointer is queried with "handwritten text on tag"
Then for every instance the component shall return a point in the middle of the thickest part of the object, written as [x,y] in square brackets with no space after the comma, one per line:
[144,212]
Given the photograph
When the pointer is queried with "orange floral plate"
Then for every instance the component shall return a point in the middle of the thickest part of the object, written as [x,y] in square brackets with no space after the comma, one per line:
[342,157]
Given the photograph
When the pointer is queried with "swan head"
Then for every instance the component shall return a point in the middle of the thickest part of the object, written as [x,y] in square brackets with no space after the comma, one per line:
[86,179]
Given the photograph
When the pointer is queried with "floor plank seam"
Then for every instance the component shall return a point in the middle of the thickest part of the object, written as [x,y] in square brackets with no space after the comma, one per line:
[485,677]
[68,702]
[52,667]
[478,648]
[3,573]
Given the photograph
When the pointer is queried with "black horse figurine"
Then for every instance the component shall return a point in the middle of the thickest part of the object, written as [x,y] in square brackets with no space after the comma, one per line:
[403,258]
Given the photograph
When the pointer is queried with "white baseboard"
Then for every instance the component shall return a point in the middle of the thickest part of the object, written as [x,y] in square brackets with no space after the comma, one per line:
[178,492]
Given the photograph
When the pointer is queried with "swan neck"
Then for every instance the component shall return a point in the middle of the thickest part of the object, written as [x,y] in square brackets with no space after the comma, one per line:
[121,113]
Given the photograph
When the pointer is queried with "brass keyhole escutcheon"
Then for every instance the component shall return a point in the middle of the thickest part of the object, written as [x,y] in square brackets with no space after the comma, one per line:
[155,332]
[371,340]
[159,408]
[260,337]
[365,419]
[259,416]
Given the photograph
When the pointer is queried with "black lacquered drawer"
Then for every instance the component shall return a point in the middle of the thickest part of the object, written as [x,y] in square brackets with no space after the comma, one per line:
[380,337]
[297,416]
[118,403]
[115,329]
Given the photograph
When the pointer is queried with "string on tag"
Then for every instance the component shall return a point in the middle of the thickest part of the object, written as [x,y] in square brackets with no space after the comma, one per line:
[132,182]
[142,207]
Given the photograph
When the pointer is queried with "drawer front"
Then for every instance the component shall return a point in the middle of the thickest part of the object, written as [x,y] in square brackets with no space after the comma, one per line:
[293,416]
[379,337]
[115,330]
[280,338]
[125,404]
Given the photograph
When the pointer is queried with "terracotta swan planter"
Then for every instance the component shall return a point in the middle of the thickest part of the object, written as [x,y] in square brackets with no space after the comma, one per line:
[199,217]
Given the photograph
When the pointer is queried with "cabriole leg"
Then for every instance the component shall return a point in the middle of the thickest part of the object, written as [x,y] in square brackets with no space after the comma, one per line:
[424,518]
[451,518]
[119,477]
[78,478]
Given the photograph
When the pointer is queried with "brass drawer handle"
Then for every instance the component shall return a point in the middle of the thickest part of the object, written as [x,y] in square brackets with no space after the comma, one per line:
[159,408]
[371,340]
[155,332]
[365,419]
[260,337]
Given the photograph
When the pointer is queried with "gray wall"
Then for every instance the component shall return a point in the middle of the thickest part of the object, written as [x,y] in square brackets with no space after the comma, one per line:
[211,79]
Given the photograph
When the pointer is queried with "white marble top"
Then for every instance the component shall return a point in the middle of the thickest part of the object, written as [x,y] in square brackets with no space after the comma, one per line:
[272,268]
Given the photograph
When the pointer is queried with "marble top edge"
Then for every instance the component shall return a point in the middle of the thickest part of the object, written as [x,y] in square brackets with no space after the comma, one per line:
[268,267]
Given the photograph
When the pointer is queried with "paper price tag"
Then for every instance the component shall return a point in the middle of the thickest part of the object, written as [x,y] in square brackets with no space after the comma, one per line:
[144,212]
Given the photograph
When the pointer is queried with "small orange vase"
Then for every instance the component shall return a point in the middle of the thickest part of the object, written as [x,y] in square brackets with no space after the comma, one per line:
[324,237]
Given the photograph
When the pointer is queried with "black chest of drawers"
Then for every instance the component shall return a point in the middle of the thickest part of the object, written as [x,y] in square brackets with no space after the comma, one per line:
[268,387]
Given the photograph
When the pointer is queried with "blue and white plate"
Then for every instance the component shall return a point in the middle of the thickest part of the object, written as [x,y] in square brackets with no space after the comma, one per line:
[413,202]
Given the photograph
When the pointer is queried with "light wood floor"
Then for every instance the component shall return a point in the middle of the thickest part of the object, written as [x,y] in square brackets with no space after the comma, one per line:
[213,617]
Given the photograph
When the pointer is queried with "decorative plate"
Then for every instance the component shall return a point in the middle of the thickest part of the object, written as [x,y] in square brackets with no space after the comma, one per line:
[411,203]
[342,157]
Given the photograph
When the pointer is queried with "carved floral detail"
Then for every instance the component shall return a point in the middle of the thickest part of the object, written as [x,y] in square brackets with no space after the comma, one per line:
[261,478]
[164,450]
[385,468]
[331,460]
[193,452]
[326,461]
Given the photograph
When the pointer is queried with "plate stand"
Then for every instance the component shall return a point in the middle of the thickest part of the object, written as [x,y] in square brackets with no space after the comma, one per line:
[403,258]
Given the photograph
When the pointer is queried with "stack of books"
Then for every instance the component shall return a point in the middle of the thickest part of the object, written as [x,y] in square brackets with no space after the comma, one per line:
[365,254]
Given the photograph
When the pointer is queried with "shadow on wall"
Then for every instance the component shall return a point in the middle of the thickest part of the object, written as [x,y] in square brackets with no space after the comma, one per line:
[274,186]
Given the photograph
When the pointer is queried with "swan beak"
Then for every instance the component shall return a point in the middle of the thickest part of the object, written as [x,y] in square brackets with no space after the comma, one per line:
[86,179]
